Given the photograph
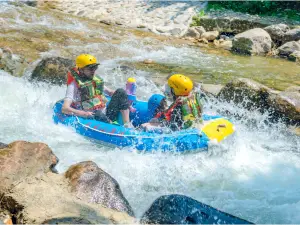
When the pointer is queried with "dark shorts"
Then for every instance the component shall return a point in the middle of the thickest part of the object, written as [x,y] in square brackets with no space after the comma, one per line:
[119,101]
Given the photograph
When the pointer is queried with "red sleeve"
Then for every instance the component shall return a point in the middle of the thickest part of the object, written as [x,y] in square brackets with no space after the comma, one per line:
[70,78]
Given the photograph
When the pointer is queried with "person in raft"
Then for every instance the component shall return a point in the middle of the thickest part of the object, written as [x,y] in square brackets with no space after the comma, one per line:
[85,95]
[186,109]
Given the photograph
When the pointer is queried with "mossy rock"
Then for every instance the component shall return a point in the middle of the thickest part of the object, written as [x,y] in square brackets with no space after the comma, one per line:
[53,70]
[247,93]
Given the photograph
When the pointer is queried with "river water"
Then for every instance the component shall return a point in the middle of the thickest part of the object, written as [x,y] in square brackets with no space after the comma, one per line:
[254,174]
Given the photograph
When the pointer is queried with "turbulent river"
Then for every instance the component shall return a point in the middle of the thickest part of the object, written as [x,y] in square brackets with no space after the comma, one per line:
[254,174]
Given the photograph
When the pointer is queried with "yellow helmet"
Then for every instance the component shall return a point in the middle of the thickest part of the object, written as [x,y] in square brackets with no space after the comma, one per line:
[84,60]
[181,85]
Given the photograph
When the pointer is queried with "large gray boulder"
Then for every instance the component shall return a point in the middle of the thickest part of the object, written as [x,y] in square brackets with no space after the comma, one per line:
[30,193]
[246,93]
[252,95]
[254,42]
[53,70]
[287,106]
[180,209]
[94,185]
[277,32]
[288,48]
[29,159]
[292,35]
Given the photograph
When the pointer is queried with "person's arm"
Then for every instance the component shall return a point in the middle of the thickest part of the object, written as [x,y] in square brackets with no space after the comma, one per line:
[69,98]
[108,91]
[67,109]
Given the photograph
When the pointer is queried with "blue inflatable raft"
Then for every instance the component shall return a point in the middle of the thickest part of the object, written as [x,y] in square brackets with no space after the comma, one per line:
[215,129]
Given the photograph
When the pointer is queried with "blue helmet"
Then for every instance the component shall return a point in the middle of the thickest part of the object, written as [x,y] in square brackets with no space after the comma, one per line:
[154,101]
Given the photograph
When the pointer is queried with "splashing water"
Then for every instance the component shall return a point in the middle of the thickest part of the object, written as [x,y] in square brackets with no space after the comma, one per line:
[254,174]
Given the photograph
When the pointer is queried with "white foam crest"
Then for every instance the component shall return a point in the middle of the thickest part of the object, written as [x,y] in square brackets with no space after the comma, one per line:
[34,20]
[176,56]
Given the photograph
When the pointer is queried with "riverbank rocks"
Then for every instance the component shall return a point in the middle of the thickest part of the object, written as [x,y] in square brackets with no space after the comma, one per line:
[30,193]
[12,63]
[180,209]
[287,106]
[288,48]
[252,95]
[227,21]
[160,17]
[295,56]
[292,35]
[277,32]
[245,92]
[53,70]
[92,184]
[22,159]
[210,35]
[254,42]
[192,32]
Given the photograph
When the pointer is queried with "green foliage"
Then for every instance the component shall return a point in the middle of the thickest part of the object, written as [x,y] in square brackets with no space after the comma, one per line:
[201,13]
[196,19]
[282,9]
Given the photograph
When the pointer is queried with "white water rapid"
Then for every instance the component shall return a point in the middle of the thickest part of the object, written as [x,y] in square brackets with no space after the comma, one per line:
[253,175]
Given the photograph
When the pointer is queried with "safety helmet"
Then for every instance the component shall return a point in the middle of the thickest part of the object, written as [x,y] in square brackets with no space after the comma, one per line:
[84,60]
[181,85]
[154,102]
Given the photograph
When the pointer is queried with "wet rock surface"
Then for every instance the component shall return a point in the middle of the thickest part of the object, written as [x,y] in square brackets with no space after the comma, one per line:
[234,22]
[180,209]
[252,95]
[295,56]
[292,35]
[67,220]
[254,42]
[288,48]
[53,70]
[277,32]
[32,193]
[287,106]
[94,185]
[21,159]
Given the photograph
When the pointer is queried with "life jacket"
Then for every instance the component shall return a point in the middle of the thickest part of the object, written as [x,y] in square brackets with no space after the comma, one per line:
[91,91]
[191,109]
